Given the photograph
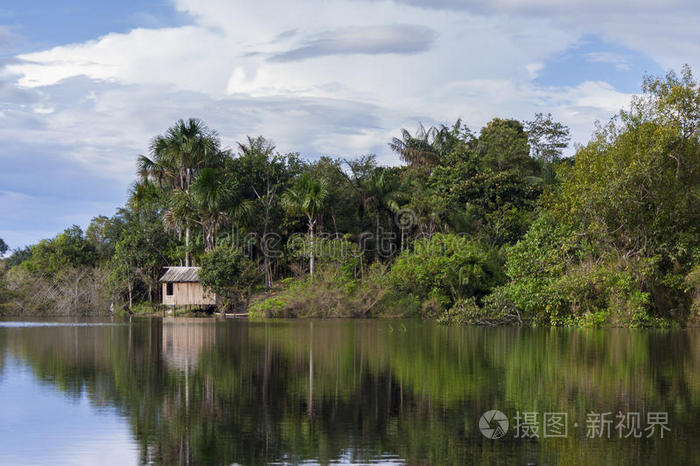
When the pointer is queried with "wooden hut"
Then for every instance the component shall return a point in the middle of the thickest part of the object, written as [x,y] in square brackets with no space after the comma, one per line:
[181,287]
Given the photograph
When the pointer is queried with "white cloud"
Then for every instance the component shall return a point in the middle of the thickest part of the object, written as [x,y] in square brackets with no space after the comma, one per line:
[371,40]
[620,61]
[666,31]
[533,69]
[390,67]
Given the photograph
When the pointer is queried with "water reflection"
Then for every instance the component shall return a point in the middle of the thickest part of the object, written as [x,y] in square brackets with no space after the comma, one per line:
[206,392]
[184,339]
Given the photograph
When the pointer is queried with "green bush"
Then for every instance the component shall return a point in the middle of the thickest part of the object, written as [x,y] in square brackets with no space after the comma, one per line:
[146,308]
[272,307]
[229,273]
[443,269]
[333,294]
[466,311]
[607,294]
[558,278]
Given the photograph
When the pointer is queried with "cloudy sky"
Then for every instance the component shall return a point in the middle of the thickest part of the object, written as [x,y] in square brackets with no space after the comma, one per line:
[85,85]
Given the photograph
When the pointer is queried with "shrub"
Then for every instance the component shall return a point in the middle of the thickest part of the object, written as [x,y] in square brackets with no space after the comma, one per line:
[443,269]
[229,273]
[69,291]
[331,294]
[557,277]
[466,311]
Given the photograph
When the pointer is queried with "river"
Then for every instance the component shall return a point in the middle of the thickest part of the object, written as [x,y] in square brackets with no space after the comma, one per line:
[204,391]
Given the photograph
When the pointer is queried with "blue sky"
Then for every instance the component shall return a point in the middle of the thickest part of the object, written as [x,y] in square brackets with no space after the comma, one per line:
[41,24]
[85,85]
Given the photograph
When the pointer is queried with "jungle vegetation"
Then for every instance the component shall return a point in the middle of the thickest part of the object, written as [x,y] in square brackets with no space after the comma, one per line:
[488,227]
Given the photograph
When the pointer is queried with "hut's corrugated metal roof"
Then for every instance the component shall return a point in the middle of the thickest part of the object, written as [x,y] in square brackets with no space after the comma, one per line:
[181,274]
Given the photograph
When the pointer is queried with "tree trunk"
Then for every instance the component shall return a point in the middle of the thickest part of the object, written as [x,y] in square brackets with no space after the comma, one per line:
[311,249]
[130,286]
[376,238]
[266,253]
[187,246]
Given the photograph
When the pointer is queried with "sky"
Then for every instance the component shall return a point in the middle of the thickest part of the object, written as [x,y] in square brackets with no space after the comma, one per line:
[84,85]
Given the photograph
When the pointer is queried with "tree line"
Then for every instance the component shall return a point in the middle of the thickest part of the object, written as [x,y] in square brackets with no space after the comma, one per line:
[494,226]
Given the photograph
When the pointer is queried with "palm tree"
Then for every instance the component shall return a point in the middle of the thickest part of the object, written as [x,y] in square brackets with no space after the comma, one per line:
[176,158]
[380,194]
[144,196]
[429,145]
[256,146]
[216,199]
[417,149]
[445,138]
[212,195]
[307,197]
[177,217]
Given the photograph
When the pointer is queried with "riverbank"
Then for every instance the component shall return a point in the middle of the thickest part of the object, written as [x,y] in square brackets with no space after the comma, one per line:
[333,294]
[327,296]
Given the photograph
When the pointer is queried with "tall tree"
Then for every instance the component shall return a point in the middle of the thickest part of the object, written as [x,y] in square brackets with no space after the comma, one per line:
[547,138]
[139,257]
[503,145]
[341,205]
[427,147]
[359,172]
[417,149]
[673,103]
[103,232]
[215,199]
[264,175]
[380,195]
[307,197]
[176,158]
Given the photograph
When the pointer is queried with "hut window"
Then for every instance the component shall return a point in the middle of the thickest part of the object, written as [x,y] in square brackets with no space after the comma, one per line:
[169,289]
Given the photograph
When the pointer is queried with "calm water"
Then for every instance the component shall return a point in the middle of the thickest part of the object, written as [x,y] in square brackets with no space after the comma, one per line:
[389,392]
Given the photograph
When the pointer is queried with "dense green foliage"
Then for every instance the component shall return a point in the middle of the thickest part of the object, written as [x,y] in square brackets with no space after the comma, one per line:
[621,235]
[489,227]
[444,269]
[228,273]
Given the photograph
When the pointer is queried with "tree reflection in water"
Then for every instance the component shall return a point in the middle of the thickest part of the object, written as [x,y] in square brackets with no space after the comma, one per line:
[211,392]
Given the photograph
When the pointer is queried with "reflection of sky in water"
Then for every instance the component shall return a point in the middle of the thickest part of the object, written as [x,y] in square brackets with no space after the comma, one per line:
[40,425]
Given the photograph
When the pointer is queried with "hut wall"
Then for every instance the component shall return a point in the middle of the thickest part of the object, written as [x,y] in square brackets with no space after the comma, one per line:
[187,294]
[168,299]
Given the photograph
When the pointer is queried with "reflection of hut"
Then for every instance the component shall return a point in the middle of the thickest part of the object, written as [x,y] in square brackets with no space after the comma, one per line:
[184,339]
[181,287]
